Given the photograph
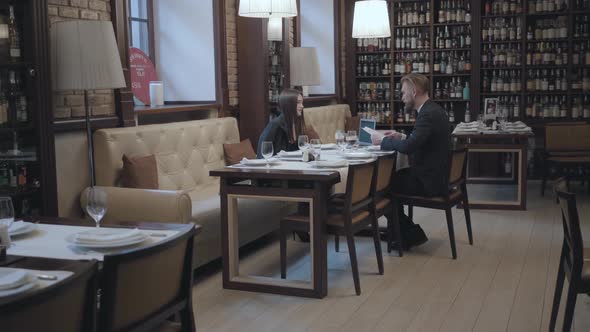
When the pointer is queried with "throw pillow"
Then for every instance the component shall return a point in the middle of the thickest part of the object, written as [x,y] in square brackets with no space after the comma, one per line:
[140,172]
[235,152]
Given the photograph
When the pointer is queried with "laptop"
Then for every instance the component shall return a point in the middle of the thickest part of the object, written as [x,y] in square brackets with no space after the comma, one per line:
[364,137]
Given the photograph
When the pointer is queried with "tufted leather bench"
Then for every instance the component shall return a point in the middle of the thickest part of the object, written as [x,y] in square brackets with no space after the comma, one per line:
[185,153]
[326,120]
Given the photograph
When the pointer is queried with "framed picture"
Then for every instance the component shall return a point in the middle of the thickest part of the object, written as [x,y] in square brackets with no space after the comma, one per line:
[490,109]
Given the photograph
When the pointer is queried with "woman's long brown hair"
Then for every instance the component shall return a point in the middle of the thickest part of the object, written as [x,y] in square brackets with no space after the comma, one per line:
[288,106]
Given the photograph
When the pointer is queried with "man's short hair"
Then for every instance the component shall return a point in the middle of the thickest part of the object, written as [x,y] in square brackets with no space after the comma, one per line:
[421,82]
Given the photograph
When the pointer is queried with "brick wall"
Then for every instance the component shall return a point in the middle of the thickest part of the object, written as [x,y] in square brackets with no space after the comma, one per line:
[232,51]
[70,104]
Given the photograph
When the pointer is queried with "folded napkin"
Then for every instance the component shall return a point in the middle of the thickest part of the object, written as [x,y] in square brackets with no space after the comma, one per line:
[329,146]
[12,278]
[284,153]
[468,124]
[470,130]
[108,236]
[17,226]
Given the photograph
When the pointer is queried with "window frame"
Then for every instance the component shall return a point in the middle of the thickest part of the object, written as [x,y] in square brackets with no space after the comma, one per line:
[149,20]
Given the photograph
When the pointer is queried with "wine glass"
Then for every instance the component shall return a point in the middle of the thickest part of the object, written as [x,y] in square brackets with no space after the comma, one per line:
[351,138]
[267,151]
[303,142]
[6,211]
[96,204]
[340,139]
[316,145]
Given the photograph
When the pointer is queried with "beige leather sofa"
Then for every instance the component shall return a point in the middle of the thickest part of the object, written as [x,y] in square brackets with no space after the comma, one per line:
[326,120]
[185,153]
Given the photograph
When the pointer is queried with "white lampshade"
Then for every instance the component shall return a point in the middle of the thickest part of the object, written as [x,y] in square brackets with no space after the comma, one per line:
[371,19]
[304,67]
[3,31]
[275,28]
[268,8]
[85,56]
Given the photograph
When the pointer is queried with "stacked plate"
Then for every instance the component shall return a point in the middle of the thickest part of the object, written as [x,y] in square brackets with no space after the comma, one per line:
[290,155]
[357,155]
[329,163]
[329,146]
[15,281]
[107,238]
[21,227]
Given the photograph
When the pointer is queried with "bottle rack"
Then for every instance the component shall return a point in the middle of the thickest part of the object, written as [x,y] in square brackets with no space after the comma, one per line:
[276,74]
[547,70]
[417,29]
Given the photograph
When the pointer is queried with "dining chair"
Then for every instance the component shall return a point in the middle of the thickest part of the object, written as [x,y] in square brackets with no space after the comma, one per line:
[356,214]
[66,306]
[143,287]
[574,262]
[456,193]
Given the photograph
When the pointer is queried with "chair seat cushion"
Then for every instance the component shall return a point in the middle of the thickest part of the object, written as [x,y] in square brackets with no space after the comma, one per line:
[382,203]
[334,219]
[570,159]
[455,194]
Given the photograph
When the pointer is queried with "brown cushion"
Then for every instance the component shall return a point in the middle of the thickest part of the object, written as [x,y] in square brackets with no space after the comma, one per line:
[140,172]
[234,153]
[352,123]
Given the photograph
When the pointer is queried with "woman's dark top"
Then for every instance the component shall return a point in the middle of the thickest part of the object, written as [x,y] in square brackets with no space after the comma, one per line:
[276,131]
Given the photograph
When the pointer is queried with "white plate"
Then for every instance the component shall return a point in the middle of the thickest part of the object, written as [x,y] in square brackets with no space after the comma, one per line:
[374,148]
[258,162]
[27,229]
[128,242]
[21,289]
[329,163]
[357,155]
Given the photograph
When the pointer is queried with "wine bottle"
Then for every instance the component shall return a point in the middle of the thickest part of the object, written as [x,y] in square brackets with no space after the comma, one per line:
[14,36]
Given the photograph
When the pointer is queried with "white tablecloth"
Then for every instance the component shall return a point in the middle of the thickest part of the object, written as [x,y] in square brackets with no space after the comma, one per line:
[402,162]
[49,241]
[39,283]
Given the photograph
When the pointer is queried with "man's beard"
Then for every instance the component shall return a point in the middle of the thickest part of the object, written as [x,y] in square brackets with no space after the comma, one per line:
[409,106]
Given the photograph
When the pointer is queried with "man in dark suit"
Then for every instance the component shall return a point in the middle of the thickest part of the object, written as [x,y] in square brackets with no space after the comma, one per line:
[427,147]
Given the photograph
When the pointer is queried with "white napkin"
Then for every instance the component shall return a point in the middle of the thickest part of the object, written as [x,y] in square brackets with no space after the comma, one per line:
[107,236]
[17,226]
[12,278]
[246,161]
[297,153]
[468,124]
[465,129]
[329,146]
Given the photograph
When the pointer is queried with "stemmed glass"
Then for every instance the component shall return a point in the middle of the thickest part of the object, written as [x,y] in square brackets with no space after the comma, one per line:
[6,211]
[96,204]
[351,138]
[316,145]
[267,151]
[340,139]
[303,142]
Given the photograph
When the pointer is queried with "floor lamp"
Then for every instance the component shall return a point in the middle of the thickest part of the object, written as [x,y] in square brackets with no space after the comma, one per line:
[85,57]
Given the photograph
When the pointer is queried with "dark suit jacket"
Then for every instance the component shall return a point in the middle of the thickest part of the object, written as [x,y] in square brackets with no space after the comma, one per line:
[427,147]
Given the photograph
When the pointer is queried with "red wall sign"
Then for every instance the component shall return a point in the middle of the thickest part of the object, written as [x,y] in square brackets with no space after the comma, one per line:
[142,73]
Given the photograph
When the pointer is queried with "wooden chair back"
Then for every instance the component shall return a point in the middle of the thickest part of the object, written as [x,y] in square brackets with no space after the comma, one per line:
[573,137]
[144,287]
[360,186]
[573,243]
[385,171]
[458,166]
[67,306]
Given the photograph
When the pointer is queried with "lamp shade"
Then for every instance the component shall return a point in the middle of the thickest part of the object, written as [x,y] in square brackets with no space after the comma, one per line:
[304,66]
[371,19]
[268,8]
[275,28]
[85,56]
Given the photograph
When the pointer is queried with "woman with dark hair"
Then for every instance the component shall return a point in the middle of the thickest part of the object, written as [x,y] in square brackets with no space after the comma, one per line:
[284,130]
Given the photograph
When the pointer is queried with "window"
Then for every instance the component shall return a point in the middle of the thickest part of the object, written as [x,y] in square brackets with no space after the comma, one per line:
[140,20]
[317,30]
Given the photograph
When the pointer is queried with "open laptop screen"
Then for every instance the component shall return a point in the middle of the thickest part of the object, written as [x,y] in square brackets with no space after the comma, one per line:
[364,137]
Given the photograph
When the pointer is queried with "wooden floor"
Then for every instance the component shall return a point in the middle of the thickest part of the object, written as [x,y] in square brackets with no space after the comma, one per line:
[504,282]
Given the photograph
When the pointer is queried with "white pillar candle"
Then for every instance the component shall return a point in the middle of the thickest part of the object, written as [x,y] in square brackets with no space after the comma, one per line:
[156,93]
